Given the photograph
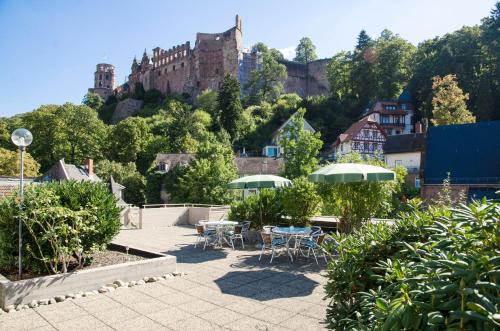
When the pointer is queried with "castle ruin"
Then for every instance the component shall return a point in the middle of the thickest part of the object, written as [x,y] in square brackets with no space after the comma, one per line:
[182,69]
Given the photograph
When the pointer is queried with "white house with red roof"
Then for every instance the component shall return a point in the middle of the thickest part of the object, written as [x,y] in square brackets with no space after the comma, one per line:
[366,136]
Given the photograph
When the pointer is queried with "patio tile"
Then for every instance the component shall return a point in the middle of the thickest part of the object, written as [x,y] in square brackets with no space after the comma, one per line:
[168,317]
[140,323]
[315,311]
[61,311]
[198,307]
[249,323]
[148,306]
[300,322]
[273,315]
[195,324]
[116,315]
[23,320]
[221,316]
[176,298]
[245,306]
[155,290]
[102,304]
[82,323]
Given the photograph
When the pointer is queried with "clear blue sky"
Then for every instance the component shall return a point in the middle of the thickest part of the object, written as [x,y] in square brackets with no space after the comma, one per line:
[49,49]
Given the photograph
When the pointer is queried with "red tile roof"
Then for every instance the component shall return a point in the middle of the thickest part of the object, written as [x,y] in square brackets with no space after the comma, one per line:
[355,128]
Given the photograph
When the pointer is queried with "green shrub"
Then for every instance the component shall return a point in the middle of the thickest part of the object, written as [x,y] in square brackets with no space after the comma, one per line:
[62,222]
[435,269]
[264,208]
[301,201]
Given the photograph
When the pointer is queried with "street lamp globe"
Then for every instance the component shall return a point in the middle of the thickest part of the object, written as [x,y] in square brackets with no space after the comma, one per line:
[21,137]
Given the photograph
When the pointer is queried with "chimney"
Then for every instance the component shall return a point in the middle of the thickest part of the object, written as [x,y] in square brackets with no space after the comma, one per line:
[90,167]
[418,127]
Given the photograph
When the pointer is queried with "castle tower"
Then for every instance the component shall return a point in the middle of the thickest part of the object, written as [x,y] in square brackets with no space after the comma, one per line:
[104,80]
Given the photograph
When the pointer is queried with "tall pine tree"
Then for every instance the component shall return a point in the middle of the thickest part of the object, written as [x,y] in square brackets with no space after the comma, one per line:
[230,109]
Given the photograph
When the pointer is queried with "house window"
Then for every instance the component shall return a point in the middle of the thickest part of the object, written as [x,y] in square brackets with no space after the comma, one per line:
[182,65]
[390,107]
[100,76]
[417,182]
[398,163]
[403,106]
[367,146]
[107,77]
[159,73]
[173,68]
[217,71]
[163,167]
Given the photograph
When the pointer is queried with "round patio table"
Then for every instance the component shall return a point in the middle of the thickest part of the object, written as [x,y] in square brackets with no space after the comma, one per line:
[219,229]
[290,232]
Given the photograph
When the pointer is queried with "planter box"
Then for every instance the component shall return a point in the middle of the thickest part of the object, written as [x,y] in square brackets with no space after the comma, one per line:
[46,287]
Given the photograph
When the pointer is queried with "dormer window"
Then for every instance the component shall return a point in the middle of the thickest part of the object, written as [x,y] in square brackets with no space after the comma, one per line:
[389,107]
[163,167]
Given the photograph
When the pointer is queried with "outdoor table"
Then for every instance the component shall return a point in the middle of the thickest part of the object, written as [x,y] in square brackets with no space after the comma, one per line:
[292,232]
[219,229]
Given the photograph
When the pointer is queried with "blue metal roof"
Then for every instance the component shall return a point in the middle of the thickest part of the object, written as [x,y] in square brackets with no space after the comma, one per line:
[469,152]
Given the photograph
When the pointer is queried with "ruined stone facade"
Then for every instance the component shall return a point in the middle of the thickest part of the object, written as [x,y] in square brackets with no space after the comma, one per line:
[183,69]
[307,79]
[104,80]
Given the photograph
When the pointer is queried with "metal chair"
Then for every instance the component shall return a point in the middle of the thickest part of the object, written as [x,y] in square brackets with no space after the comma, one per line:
[235,234]
[269,241]
[313,244]
[245,229]
[204,235]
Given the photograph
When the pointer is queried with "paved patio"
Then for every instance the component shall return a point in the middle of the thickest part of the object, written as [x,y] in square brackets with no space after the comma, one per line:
[223,290]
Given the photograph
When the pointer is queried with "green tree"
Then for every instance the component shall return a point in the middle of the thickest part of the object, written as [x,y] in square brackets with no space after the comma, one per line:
[394,66]
[301,201]
[339,72]
[449,102]
[10,162]
[81,134]
[305,51]
[205,179]
[229,105]
[300,148]
[45,125]
[127,175]
[128,138]
[93,100]
[266,83]
[5,133]
[363,73]
[207,101]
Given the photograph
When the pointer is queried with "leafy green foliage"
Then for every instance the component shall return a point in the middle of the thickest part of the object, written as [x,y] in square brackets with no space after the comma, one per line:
[263,208]
[93,100]
[229,107]
[205,179]
[300,148]
[301,201]
[448,102]
[266,83]
[63,222]
[305,51]
[128,139]
[126,175]
[10,164]
[433,269]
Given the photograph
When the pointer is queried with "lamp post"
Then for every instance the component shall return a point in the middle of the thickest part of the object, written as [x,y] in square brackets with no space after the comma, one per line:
[21,138]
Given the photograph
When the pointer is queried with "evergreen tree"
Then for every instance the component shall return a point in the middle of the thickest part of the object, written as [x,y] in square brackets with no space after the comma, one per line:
[363,75]
[230,108]
[305,51]
[448,102]
[364,41]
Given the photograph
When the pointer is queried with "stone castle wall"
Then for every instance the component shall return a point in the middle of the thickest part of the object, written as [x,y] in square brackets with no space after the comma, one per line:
[307,79]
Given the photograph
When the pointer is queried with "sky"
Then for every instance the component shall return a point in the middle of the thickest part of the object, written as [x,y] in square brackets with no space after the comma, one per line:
[49,49]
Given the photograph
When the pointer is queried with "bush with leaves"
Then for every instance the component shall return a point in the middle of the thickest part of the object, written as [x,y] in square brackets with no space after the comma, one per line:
[64,222]
[435,269]
[301,201]
[264,208]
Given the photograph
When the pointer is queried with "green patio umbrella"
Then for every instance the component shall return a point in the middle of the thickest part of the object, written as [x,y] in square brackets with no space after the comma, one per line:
[351,173]
[259,181]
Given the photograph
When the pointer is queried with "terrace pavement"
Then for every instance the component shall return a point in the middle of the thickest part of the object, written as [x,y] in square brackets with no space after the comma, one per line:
[223,290]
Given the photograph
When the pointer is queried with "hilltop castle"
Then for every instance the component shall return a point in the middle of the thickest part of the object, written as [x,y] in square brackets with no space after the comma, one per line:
[182,69]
